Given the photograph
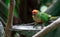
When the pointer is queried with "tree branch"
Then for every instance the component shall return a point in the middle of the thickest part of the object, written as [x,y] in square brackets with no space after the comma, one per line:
[48,28]
[10,19]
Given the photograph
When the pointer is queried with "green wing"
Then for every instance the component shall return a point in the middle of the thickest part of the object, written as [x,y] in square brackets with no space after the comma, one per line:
[43,16]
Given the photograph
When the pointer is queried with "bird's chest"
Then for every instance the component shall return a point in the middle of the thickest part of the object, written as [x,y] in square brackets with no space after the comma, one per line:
[36,19]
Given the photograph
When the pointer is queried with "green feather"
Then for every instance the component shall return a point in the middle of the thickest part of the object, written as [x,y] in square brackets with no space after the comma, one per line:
[43,16]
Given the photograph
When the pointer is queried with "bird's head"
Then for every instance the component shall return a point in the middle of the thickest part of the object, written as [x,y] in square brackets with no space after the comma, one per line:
[34,11]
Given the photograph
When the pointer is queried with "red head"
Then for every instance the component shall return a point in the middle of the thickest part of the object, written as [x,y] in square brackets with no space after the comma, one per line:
[34,11]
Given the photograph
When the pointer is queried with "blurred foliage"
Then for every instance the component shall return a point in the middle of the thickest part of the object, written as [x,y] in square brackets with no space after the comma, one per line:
[45,1]
[4,11]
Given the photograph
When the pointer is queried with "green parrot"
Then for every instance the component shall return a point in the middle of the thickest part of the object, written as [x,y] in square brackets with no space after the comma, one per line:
[41,17]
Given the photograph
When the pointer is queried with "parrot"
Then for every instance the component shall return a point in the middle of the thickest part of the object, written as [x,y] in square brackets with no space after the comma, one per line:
[41,18]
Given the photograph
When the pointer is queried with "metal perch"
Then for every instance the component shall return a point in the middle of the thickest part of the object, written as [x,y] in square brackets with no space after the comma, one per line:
[48,28]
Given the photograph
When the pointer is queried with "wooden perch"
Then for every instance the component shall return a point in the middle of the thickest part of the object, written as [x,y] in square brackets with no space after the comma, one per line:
[10,19]
[48,28]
